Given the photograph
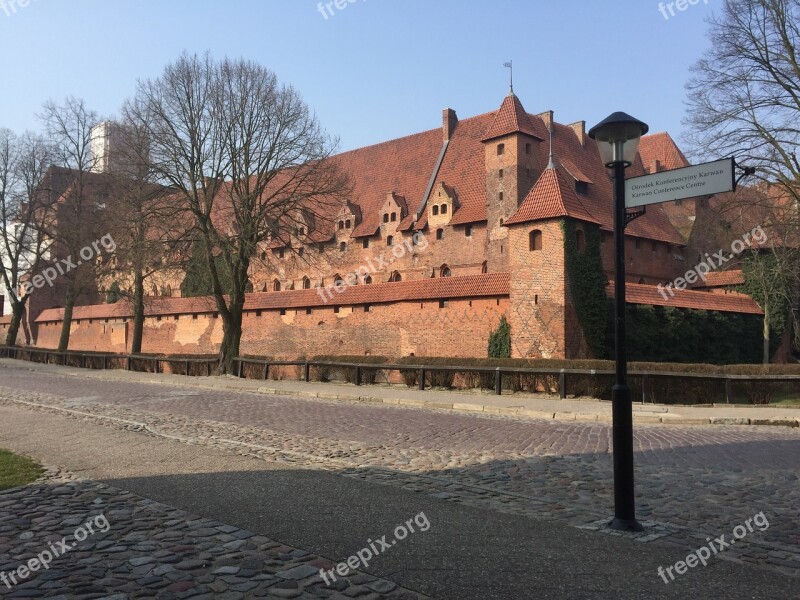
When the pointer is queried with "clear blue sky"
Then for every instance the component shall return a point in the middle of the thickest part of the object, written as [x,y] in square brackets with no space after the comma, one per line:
[374,70]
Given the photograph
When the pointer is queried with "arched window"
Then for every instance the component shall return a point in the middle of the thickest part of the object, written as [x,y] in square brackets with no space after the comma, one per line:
[394,217]
[264,287]
[341,224]
[276,286]
[439,234]
[444,209]
[535,240]
[501,148]
[580,240]
[444,271]
[367,280]
[485,267]
[395,277]
[306,283]
[435,209]
[386,217]
[390,240]
[347,224]
[342,246]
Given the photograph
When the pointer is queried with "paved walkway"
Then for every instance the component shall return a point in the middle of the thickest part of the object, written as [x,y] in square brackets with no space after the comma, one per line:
[540,406]
[513,497]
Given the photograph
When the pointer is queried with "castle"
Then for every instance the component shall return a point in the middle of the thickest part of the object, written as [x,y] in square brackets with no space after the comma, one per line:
[446,231]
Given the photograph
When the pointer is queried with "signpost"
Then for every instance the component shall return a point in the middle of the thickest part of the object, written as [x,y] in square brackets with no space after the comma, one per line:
[689,182]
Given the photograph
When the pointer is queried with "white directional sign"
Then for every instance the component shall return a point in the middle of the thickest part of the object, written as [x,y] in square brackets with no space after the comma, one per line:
[698,180]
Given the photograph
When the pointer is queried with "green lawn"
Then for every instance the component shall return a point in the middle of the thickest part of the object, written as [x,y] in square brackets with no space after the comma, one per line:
[17,470]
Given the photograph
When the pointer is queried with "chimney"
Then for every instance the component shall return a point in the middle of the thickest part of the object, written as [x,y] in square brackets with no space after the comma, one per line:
[655,166]
[547,117]
[580,130]
[449,122]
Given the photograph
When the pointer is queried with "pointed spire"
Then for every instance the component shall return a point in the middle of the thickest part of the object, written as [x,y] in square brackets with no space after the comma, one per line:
[510,66]
[551,164]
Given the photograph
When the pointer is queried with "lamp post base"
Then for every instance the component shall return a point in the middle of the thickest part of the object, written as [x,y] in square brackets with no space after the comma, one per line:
[625,525]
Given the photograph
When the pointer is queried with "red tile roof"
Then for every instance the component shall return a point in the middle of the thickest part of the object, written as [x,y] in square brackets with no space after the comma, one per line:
[722,278]
[552,196]
[660,146]
[636,293]
[511,118]
[469,286]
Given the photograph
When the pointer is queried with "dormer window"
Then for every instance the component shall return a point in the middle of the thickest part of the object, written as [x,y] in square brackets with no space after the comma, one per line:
[501,148]
[435,210]
[581,187]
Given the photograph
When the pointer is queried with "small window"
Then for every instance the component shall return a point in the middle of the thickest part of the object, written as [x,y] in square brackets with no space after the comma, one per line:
[581,187]
[394,217]
[283,312]
[301,251]
[276,286]
[281,253]
[396,277]
[501,148]
[347,224]
[485,267]
[336,310]
[527,148]
[443,303]
[263,256]
[194,317]
[341,224]
[439,234]
[306,283]
[536,299]
[258,313]
[444,209]
[301,231]
[500,173]
[535,240]
[367,308]
[390,240]
[580,240]
[444,271]
[321,248]
[435,209]
[309,311]
[501,222]
[365,243]
[654,247]
[501,196]
[367,280]
[338,281]
[386,218]
[342,246]
[468,231]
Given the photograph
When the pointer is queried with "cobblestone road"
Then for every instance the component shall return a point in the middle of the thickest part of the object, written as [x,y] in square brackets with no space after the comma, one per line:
[692,482]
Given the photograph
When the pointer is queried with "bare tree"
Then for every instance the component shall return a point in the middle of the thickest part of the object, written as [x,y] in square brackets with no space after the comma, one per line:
[744,101]
[149,228]
[249,160]
[77,219]
[23,210]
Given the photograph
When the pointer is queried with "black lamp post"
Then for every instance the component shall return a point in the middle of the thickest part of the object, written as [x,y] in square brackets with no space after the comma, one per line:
[617,139]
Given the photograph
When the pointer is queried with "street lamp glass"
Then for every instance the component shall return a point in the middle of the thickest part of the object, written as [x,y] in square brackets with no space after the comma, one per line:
[618,137]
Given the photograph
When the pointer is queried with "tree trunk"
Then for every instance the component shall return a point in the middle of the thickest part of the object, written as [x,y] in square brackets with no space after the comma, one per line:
[17,311]
[231,338]
[138,313]
[765,358]
[69,303]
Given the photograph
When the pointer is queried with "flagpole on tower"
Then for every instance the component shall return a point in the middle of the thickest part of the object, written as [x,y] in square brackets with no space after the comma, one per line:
[509,65]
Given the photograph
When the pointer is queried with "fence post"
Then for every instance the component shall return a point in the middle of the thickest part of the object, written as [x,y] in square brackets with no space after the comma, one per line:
[421,378]
[83,361]
[728,390]
[239,372]
[498,382]
[128,363]
[645,380]
[266,370]
[208,369]
[562,385]
[358,375]
[306,372]
[155,365]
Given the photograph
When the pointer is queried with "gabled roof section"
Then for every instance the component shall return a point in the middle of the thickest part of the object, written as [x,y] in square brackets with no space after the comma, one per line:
[639,293]
[511,118]
[574,171]
[661,147]
[551,197]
